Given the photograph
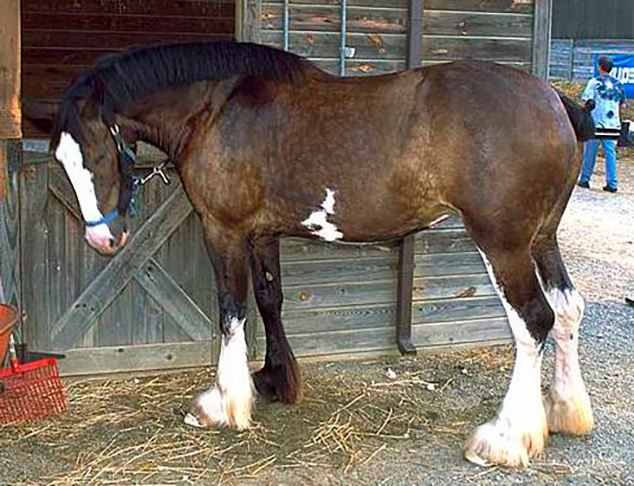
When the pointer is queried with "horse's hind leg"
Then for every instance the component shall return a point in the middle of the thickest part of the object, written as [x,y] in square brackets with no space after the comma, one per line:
[519,429]
[229,401]
[568,407]
[279,379]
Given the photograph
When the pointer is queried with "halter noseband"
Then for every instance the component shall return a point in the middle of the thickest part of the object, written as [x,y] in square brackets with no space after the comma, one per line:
[130,184]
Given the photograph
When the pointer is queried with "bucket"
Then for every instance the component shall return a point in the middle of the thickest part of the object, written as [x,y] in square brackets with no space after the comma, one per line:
[8,317]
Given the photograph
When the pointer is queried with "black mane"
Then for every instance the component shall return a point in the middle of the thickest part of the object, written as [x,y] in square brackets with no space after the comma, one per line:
[117,79]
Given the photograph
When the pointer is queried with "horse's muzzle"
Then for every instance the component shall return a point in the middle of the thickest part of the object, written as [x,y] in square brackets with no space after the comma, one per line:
[101,239]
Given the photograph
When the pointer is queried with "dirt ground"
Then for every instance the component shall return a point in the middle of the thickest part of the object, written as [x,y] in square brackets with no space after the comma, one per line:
[386,421]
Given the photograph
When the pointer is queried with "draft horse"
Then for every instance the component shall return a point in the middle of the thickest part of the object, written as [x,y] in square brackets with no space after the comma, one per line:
[269,146]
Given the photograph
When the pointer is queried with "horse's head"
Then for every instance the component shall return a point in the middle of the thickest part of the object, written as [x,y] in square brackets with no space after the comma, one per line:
[91,148]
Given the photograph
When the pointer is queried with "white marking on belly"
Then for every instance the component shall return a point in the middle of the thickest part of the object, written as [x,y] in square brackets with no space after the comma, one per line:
[438,220]
[318,220]
[68,153]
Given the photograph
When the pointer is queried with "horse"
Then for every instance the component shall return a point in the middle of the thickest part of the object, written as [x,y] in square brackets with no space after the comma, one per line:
[269,146]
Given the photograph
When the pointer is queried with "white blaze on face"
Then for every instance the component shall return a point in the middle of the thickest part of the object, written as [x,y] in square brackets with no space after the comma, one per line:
[318,220]
[229,401]
[68,153]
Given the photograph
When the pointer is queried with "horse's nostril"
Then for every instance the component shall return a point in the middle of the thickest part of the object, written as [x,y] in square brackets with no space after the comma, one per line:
[113,242]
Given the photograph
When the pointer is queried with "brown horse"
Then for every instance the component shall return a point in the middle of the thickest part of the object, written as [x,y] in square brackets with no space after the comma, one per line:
[269,146]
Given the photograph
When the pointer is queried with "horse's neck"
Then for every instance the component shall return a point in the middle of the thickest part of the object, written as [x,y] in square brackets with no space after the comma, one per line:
[164,119]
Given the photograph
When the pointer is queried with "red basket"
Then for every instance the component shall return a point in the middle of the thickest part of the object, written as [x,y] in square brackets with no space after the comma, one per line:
[31,391]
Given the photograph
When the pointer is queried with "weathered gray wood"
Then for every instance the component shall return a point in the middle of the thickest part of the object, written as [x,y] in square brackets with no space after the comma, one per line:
[34,235]
[456,286]
[341,318]
[120,359]
[248,17]
[158,283]
[541,37]
[443,22]
[369,67]
[397,4]
[326,18]
[302,250]
[477,330]
[326,44]
[381,339]
[444,241]
[328,271]
[103,290]
[439,48]
[436,265]
[10,230]
[499,6]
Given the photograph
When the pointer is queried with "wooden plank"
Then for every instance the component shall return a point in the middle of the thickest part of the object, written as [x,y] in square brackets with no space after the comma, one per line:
[350,342]
[10,229]
[455,286]
[327,18]
[185,8]
[119,359]
[541,38]
[442,22]
[451,240]
[326,44]
[248,15]
[446,264]
[100,292]
[329,271]
[317,321]
[298,250]
[9,79]
[497,6]
[72,23]
[305,297]
[370,67]
[438,48]
[396,4]
[162,287]
[477,330]
[35,246]
[107,40]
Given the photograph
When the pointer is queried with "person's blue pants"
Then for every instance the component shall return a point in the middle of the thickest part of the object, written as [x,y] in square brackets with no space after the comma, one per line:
[590,158]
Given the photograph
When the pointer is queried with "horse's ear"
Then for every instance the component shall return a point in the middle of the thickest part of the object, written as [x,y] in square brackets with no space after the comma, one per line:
[40,113]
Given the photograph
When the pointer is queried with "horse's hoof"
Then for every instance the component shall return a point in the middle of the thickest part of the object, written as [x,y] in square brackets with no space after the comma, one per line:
[282,383]
[572,417]
[502,443]
[212,408]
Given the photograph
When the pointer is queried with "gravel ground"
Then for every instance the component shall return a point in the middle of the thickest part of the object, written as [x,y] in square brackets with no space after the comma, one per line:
[356,425]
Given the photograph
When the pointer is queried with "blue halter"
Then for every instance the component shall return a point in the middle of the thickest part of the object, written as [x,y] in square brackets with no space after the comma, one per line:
[130,184]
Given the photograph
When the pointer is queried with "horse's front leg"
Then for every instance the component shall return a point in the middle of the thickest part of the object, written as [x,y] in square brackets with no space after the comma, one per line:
[229,401]
[279,379]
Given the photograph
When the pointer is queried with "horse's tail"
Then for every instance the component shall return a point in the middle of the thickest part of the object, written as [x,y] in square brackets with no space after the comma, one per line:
[579,117]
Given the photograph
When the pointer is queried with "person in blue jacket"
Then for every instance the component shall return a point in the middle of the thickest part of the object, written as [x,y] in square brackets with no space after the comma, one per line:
[608,95]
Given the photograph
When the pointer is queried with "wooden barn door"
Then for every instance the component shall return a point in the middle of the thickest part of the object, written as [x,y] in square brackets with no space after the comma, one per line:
[152,306]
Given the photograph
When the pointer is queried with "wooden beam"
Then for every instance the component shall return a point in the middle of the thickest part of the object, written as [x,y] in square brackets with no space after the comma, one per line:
[9,85]
[541,37]
[248,21]
[406,256]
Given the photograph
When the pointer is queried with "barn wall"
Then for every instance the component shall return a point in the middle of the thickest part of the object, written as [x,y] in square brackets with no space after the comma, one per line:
[62,37]
[496,30]
[575,59]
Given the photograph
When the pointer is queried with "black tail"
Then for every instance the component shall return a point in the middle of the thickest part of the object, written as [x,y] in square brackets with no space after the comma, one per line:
[579,117]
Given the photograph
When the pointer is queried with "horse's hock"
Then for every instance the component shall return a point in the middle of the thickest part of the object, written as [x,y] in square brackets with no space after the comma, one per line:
[151,307]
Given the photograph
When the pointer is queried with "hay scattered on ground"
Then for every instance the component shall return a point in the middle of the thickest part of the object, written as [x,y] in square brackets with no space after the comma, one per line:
[131,431]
